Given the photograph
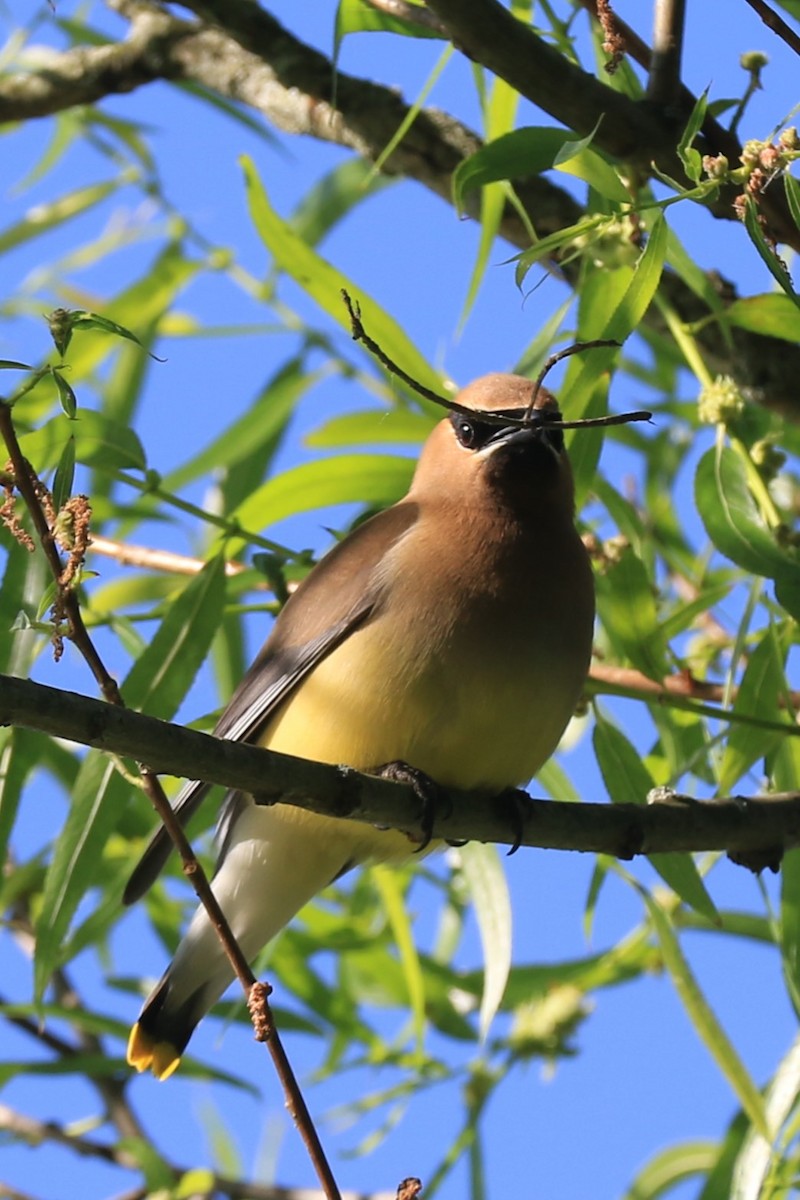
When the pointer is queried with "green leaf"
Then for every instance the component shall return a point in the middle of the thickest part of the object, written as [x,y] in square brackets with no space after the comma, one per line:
[20,754]
[692,159]
[488,889]
[704,1019]
[768,253]
[348,479]
[760,691]
[334,196]
[97,801]
[394,906]
[372,426]
[760,1149]
[161,677]
[628,612]
[790,923]
[358,16]
[66,396]
[98,442]
[667,1168]
[526,152]
[733,521]
[792,189]
[157,683]
[43,217]
[324,283]
[628,781]
[89,320]
[65,475]
[771,314]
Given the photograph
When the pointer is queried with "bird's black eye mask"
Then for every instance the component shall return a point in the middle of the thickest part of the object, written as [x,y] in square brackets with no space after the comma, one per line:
[473,433]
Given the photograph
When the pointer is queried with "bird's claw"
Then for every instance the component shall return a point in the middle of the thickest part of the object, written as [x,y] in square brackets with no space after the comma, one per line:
[431,795]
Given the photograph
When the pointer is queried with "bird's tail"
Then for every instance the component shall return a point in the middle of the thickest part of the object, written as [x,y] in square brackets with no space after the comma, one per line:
[275,861]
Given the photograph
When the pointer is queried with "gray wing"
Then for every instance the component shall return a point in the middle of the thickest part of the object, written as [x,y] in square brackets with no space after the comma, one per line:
[309,627]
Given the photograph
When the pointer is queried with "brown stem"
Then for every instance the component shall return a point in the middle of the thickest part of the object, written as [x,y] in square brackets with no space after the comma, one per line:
[664,80]
[776,23]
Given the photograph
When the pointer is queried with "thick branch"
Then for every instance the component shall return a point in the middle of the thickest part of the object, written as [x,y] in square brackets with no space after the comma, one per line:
[260,64]
[735,824]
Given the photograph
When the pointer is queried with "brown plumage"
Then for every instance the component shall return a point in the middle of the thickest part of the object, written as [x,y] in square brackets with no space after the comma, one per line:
[451,632]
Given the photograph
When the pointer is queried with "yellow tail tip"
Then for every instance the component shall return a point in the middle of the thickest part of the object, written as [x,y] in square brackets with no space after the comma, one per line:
[145,1054]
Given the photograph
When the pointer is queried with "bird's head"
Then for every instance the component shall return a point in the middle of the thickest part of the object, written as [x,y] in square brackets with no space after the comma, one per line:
[468,457]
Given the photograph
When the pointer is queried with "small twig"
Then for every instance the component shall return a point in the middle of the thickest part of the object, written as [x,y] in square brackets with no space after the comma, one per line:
[156,559]
[26,484]
[776,23]
[360,335]
[492,418]
[575,348]
[664,81]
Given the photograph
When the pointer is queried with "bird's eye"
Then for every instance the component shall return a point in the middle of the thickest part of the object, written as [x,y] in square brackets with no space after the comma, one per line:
[470,433]
[465,432]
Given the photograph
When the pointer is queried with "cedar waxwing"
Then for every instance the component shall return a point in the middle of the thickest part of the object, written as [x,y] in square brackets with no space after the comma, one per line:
[451,633]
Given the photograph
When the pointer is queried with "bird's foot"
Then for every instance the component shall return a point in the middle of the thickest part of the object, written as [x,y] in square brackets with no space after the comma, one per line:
[517,804]
[432,797]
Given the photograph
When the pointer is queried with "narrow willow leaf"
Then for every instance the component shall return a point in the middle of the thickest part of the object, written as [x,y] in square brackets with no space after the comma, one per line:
[90,320]
[691,158]
[157,684]
[44,217]
[20,754]
[160,679]
[526,152]
[66,396]
[371,427]
[488,888]
[704,1020]
[139,305]
[672,1166]
[324,283]
[733,521]
[771,314]
[758,1149]
[760,692]
[65,475]
[628,612]
[348,479]
[790,923]
[792,189]
[628,781]
[98,441]
[393,901]
[768,253]
[334,196]
[97,801]
[354,16]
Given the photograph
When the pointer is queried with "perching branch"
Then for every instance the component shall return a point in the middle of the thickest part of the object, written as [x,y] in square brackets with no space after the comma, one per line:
[736,824]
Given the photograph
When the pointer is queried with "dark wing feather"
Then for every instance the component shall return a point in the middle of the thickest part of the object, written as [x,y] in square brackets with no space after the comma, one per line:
[338,596]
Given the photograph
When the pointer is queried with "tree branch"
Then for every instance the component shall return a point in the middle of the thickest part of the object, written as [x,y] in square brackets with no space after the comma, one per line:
[734,824]
[253,60]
